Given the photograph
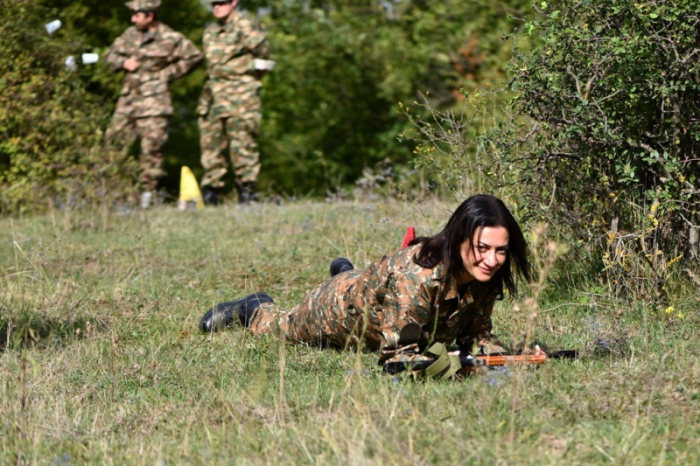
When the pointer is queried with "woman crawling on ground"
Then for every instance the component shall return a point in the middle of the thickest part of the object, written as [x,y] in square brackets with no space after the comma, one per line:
[445,286]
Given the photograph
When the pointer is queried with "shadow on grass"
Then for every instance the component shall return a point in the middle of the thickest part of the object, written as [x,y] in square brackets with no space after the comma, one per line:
[34,330]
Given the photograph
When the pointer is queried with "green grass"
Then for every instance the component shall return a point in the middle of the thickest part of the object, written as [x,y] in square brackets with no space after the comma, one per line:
[101,360]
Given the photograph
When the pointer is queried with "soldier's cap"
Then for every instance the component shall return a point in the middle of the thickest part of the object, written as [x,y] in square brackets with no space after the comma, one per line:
[143,5]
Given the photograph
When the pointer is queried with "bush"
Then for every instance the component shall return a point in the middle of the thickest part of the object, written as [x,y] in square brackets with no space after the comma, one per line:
[606,132]
[601,139]
[51,144]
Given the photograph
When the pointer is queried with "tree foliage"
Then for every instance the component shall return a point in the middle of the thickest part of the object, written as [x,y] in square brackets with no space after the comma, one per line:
[332,104]
[607,130]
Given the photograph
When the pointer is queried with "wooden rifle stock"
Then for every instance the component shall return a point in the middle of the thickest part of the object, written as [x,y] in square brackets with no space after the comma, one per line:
[502,360]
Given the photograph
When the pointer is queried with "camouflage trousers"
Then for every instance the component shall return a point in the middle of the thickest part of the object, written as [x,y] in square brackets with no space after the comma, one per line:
[237,135]
[153,134]
[326,316]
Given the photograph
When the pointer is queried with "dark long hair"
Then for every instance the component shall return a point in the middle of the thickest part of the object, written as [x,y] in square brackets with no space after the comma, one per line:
[475,213]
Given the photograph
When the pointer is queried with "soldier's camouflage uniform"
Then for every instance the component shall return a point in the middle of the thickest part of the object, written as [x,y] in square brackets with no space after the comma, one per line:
[144,102]
[230,106]
[376,303]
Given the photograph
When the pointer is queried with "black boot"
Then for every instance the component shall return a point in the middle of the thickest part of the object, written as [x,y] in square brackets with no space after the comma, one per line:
[210,196]
[340,265]
[245,192]
[224,314]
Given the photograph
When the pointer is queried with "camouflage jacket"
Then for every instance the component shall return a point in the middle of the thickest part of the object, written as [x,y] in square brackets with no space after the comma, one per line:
[231,49]
[163,55]
[377,302]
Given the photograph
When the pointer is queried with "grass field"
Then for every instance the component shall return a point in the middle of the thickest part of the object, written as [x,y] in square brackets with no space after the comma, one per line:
[113,369]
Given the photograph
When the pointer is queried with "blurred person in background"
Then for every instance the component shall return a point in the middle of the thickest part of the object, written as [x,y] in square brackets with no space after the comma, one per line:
[230,106]
[152,55]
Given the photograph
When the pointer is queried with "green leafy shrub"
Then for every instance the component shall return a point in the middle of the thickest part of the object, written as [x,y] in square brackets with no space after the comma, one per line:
[607,131]
[51,148]
[601,139]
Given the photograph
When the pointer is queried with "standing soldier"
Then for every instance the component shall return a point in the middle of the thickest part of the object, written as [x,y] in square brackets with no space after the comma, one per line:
[230,107]
[152,55]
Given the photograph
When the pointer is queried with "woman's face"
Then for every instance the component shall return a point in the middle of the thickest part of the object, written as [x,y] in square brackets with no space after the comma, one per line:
[222,9]
[488,254]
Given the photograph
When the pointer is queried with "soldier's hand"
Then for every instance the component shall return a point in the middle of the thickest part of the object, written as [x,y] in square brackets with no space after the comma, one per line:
[130,64]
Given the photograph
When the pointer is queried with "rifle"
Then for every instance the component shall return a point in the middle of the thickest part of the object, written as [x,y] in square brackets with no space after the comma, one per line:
[482,361]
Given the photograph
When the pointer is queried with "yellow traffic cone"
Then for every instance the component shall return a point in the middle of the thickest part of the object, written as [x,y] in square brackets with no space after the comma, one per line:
[189,190]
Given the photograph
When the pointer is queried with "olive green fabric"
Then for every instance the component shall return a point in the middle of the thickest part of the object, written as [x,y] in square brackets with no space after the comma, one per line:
[445,366]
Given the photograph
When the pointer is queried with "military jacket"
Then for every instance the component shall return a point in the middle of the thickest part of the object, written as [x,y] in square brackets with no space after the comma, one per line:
[231,49]
[163,55]
[374,304]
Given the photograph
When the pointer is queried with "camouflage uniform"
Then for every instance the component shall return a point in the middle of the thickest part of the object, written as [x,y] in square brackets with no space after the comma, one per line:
[230,106]
[375,303]
[144,102]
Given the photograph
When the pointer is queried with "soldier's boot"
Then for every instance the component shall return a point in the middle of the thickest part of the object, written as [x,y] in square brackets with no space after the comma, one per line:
[211,196]
[224,314]
[340,265]
[245,192]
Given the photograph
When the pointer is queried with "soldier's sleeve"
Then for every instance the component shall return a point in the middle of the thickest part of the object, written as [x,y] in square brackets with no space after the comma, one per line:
[478,330]
[116,54]
[407,300]
[255,39]
[186,57]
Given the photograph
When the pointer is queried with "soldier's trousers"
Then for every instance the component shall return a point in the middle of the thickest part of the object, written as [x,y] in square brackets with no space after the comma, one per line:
[237,136]
[326,316]
[153,134]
